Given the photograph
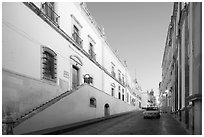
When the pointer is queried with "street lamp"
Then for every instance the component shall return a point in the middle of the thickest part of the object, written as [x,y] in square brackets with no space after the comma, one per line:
[88,79]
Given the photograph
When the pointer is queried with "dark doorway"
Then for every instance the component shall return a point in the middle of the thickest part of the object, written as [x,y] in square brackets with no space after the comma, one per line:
[106,110]
[75,77]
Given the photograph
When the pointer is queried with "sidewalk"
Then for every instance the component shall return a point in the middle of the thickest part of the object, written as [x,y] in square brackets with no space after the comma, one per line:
[172,125]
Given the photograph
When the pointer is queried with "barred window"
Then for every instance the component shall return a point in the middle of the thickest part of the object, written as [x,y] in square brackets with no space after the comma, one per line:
[49,65]
[93,102]
[50,11]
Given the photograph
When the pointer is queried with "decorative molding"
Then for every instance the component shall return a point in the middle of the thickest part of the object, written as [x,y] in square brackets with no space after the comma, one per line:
[91,39]
[73,17]
[36,10]
[76,59]
[194,97]
[113,85]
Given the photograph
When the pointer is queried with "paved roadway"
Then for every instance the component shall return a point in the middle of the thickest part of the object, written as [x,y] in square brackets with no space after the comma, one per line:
[132,124]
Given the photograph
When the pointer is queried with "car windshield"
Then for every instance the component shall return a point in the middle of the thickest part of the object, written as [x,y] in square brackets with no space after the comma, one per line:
[150,109]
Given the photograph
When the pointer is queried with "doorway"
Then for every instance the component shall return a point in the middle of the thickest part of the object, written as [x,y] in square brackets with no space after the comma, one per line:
[75,77]
[106,110]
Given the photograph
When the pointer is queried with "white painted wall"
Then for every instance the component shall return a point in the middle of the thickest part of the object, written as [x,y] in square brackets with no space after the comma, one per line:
[66,110]
[22,46]
[110,57]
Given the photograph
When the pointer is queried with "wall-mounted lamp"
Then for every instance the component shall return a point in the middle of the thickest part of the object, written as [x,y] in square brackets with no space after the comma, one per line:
[88,79]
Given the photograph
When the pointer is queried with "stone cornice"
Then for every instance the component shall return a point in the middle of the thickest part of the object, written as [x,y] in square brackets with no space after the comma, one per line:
[99,29]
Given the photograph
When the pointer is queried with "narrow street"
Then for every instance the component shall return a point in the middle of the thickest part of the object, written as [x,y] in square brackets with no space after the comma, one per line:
[132,124]
[92,68]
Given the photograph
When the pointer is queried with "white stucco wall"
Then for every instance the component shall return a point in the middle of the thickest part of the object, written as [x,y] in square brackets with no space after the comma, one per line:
[66,111]
[21,49]
[24,44]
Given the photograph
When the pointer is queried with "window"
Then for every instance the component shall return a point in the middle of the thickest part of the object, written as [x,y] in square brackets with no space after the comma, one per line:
[91,51]
[113,70]
[75,30]
[118,95]
[112,91]
[127,97]
[119,76]
[93,102]
[123,80]
[49,9]
[140,105]
[76,35]
[49,65]
[123,97]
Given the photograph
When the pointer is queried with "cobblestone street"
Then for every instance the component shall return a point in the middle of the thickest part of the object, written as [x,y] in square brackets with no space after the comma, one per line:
[132,124]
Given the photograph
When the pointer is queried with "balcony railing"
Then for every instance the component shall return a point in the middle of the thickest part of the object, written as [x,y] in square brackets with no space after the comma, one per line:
[113,74]
[92,54]
[77,39]
[49,12]
[120,80]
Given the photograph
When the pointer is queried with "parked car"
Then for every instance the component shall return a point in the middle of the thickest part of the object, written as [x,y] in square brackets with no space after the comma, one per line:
[151,112]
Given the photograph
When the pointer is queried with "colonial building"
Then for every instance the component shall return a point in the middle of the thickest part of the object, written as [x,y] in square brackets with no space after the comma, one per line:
[181,86]
[58,68]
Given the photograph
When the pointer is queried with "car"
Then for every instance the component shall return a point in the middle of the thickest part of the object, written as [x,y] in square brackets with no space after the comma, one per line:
[151,112]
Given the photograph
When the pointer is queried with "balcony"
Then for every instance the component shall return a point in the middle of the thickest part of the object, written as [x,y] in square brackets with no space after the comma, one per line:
[92,54]
[120,80]
[49,12]
[113,74]
[77,39]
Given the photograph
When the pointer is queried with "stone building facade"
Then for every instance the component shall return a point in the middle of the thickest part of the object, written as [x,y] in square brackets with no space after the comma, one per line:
[181,86]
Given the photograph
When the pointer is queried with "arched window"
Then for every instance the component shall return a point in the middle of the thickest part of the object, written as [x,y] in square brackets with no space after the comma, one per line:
[92,102]
[49,64]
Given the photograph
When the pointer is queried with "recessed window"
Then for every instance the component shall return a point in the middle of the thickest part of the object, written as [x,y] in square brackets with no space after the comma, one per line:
[91,51]
[49,10]
[119,76]
[76,31]
[123,80]
[93,102]
[127,97]
[112,91]
[119,95]
[113,70]
[49,64]
[123,96]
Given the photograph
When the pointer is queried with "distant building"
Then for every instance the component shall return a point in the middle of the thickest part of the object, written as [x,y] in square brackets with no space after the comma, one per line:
[58,68]
[147,100]
[181,86]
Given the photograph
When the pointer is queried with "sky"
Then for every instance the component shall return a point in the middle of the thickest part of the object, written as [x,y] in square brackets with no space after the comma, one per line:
[138,32]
